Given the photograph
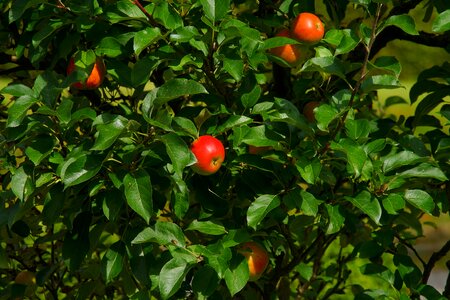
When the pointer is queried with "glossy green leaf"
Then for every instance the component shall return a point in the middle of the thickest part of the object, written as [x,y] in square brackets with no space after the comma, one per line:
[357,129]
[367,204]
[377,82]
[420,199]
[171,276]
[330,65]
[39,148]
[110,47]
[164,233]
[185,125]
[109,132]
[138,192]
[234,121]
[112,261]
[356,155]
[80,168]
[179,153]
[393,203]
[389,63]
[208,227]
[20,6]
[324,115]
[400,159]
[21,184]
[442,22]
[167,15]
[424,170]
[336,218]
[47,30]
[309,169]
[18,110]
[215,10]
[404,22]
[176,88]
[348,42]
[259,209]
[145,38]
[237,275]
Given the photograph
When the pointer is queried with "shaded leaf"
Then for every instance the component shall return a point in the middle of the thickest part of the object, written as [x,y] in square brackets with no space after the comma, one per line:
[138,192]
[259,209]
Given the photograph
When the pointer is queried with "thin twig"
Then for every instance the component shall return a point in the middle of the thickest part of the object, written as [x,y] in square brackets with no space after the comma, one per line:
[360,80]
[146,13]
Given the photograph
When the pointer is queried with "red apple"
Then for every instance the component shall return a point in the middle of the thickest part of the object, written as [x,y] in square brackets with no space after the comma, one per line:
[210,154]
[95,78]
[307,28]
[257,259]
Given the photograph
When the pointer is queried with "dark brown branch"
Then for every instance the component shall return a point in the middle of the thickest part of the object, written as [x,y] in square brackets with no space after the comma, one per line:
[446,292]
[433,260]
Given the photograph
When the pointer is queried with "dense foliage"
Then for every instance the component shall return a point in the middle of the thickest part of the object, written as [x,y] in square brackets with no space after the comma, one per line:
[97,196]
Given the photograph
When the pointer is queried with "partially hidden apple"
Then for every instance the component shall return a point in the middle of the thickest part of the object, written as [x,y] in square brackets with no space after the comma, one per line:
[95,78]
[210,154]
[308,110]
[257,259]
[290,53]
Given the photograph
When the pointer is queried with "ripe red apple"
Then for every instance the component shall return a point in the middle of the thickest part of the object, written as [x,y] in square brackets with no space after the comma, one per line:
[257,259]
[307,28]
[210,154]
[290,53]
[95,78]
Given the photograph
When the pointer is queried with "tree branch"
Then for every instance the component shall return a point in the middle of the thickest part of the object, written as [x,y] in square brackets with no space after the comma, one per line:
[149,16]
[433,260]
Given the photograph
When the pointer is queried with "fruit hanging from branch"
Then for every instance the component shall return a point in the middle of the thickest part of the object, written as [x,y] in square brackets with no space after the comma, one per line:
[96,74]
[210,154]
[307,28]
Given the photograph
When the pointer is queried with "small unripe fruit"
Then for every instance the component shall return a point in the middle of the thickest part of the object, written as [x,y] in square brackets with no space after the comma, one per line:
[25,277]
[210,155]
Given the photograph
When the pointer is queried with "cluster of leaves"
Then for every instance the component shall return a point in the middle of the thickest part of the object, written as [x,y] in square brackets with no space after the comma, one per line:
[97,197]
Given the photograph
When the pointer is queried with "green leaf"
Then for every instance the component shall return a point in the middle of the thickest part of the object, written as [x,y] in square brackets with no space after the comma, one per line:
[251,98]
[404,22]
[390,64]
[205,281]
[377,82]
[368,204]
[303,200]
[424,170]
[215,10]
[112,261]
[18,7]
[328,64]
[18,90]
[356,155]
[420,199]
[21,184]
[208,227]
[48,29]
[80,168]
[171,276]
[18,110]
[76,242]
[442,22]
[234,67]
[144,38]
[164,233]
[259,209]
[237,275]
[234,121]
[185,125]
[108,132]
[167,15]
[324,115]
[400,159]
[278,41]
[393,203]
[357,129]
[309,169]
[138,192]
[179,153]
[348,42]
[178,87]
[335,218]
[109,46]
[39,148]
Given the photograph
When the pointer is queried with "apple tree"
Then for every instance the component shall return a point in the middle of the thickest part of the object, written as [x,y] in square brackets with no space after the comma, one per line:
[99,194]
